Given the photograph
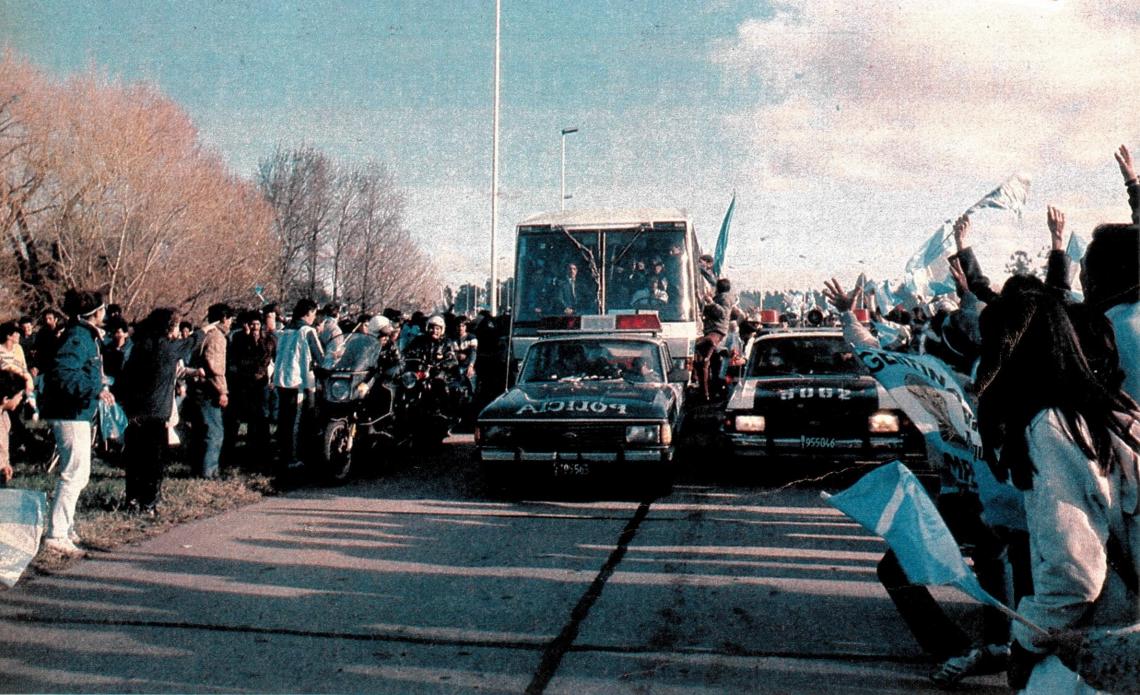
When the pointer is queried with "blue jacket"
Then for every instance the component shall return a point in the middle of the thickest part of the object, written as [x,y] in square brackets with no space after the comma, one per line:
[72,383]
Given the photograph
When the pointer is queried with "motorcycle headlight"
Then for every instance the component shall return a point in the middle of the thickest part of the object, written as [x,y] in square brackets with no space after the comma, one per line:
[408,380]
[883,422]
[749,423]
[339,389]
[648,434]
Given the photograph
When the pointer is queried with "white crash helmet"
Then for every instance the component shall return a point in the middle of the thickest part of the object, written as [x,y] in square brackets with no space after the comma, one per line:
[436,320]
[379,325]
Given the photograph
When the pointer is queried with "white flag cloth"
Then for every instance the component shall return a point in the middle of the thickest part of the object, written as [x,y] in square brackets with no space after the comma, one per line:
[22,521]
[934,401]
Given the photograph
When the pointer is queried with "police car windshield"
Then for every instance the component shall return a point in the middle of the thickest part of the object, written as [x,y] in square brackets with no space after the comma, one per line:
[798,355]
[593,360]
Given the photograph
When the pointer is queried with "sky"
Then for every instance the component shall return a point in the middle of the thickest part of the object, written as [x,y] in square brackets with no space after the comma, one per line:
[848,131]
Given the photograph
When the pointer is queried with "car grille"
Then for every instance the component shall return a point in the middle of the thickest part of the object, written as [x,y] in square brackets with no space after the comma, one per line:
[555,436]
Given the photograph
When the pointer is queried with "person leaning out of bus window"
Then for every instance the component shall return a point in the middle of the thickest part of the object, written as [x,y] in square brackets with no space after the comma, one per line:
[570,291]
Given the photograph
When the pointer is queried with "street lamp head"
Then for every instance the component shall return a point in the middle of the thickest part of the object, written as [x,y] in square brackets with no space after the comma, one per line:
[567,131]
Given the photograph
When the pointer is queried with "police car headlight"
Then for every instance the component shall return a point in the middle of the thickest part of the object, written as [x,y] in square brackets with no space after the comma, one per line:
[491,434]
[749,423]
[644,434]
[339,389]
[883,422]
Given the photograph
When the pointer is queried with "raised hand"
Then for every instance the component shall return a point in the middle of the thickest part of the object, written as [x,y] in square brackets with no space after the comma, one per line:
[1124,159]
[959,276]
[842,301]
[962,232]
[1056,218]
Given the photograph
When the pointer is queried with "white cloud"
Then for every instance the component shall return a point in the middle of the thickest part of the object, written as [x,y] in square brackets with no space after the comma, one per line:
[886,91]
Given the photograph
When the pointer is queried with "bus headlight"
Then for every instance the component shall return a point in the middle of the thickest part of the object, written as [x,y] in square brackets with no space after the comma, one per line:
[648,434]
[883,422]
[749,423]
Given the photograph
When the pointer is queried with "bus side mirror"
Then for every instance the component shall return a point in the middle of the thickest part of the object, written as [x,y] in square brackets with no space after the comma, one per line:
[678,375]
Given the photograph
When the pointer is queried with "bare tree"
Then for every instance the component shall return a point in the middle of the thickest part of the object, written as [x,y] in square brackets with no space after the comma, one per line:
[106,185]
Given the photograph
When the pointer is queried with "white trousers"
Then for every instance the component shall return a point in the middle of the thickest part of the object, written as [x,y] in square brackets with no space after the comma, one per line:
[73,442]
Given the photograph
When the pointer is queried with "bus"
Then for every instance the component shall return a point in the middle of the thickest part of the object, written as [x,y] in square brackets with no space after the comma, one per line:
[624,261]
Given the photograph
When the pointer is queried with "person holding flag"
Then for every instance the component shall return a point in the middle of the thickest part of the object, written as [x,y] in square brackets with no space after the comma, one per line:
[1072,444]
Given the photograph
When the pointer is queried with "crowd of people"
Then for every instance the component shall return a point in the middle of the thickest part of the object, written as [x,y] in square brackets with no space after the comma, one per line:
[92,377]
[1054,379]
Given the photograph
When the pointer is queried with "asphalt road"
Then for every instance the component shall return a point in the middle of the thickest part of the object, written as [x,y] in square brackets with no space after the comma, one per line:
[420,581]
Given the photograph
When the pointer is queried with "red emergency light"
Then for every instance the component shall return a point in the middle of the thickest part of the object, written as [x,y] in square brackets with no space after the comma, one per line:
[861,315]
[560,323]
[637,322]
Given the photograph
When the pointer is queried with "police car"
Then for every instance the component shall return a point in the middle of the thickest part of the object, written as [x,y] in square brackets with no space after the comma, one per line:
[804,396]
[595,394]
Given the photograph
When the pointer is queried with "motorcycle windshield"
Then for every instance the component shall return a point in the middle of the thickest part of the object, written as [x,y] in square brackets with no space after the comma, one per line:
[358,353]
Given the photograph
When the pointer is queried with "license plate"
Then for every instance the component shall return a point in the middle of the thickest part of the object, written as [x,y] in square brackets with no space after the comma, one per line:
[571,469]
[819,442]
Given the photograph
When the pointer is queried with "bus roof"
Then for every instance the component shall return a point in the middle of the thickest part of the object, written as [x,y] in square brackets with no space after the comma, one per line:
[594,219]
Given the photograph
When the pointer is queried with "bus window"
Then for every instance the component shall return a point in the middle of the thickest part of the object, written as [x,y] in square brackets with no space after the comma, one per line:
[646,270]
[554,275]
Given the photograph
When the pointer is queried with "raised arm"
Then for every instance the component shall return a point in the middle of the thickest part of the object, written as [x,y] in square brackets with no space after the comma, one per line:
[977,283]
[1128,171]
[1057,267]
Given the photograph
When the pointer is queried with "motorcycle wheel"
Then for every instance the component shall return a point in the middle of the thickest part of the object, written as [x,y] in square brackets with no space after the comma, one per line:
[337,450]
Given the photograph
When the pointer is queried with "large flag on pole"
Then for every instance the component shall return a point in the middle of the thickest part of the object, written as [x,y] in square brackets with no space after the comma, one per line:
[891,503]
[722,239]
[928,270]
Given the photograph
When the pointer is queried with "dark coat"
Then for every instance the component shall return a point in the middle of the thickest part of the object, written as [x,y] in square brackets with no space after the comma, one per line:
[74,380]
[146,387]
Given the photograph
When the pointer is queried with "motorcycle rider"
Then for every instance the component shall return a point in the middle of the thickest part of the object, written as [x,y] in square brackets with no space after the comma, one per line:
[436,355]
[432,348]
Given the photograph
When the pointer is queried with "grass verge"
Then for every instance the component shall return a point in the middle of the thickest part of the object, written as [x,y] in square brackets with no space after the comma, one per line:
[104,523]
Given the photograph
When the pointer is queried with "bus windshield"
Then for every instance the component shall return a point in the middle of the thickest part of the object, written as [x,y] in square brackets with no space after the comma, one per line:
[645,269]
[555,275]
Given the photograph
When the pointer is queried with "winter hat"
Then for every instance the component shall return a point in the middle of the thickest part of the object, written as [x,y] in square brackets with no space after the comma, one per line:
[82,303]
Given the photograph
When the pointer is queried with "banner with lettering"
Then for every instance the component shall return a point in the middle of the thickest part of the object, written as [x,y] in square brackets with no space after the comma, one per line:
[934,401]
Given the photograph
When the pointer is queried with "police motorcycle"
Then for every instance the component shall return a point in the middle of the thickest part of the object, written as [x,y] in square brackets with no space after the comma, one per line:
[433,401]
[359,405]
[433,396]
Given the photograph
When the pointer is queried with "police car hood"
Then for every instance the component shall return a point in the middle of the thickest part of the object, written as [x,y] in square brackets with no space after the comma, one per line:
[824,391]
[616,399]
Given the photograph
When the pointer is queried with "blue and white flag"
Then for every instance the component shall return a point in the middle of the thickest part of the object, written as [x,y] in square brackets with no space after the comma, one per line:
[884,297]
[891,503]
[931,397]
[1011,195]
[888,332]
[722,238]
[928,270]
[22,521]
[1076,248]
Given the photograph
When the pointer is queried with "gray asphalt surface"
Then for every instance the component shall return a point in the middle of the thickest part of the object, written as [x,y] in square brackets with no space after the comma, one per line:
[419,581]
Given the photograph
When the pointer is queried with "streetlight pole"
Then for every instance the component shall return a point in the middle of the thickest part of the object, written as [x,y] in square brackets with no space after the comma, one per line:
[563,196]
[494,305]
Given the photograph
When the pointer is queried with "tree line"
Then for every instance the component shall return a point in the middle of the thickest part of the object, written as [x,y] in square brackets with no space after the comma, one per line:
[108,185]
